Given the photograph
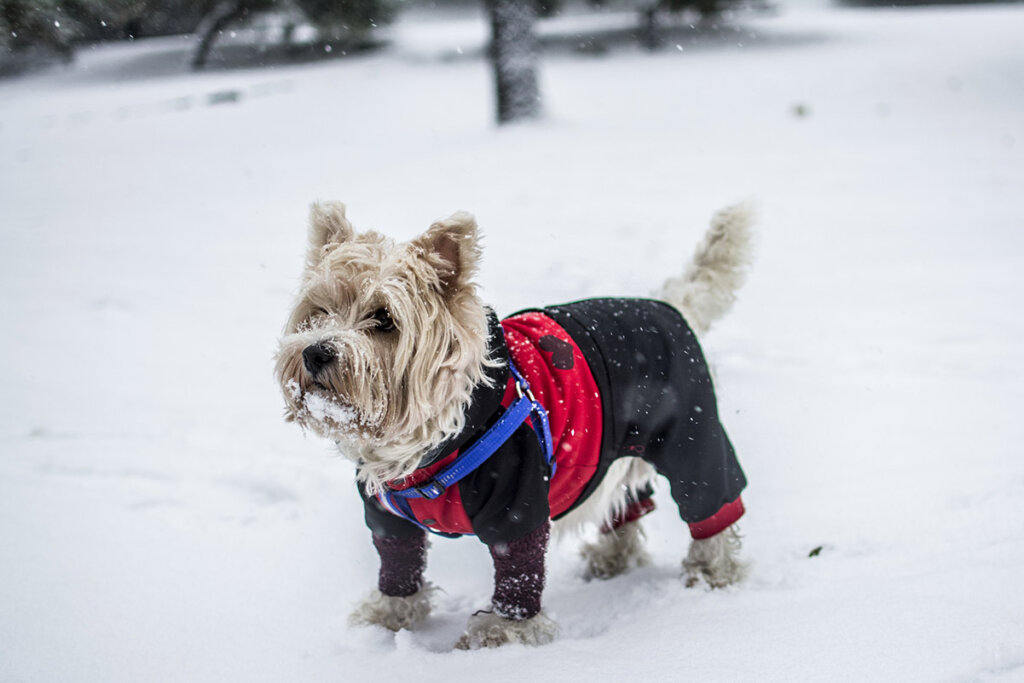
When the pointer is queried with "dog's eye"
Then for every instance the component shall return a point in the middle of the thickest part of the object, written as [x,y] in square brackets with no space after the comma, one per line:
[383,320]
[318,312]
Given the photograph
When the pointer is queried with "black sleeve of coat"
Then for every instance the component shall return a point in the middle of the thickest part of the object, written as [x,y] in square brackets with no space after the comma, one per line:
[506,498]
[384,523]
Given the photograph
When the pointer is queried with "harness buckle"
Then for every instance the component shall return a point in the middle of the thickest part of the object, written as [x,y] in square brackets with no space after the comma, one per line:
[528,392]
[431,490]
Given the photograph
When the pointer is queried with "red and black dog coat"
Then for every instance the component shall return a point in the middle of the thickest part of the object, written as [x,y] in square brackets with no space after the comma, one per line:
[618,377]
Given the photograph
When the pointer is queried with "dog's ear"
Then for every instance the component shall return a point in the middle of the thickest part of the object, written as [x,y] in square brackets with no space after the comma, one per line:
[452,247]
[327,226]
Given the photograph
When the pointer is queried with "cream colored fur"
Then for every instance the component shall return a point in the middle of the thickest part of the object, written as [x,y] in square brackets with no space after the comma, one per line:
[393,613]
[707,288]
[715,560]
[624,476]
[486,629]
[389,397]
[615,552]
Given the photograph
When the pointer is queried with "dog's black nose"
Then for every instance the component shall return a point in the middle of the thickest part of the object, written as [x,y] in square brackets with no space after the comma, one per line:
[316,357]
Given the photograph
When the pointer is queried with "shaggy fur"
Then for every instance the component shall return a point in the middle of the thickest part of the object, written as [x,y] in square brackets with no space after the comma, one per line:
[707,288]
[715,560]
[486,629]
[380,400]
[625,476]
[402,340]
[615,552]
[393,613]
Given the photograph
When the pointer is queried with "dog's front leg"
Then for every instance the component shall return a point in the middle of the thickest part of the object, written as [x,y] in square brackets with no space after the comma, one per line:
[515,615]
[402,599]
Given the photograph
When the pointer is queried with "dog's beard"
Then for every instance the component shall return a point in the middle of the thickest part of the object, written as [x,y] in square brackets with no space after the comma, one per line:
[385,403]
[387,398]
[349,399]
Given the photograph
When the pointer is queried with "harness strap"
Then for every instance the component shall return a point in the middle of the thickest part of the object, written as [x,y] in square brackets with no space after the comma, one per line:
[524,407]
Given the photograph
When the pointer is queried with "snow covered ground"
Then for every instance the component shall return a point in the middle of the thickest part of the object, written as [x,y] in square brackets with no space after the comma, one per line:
[159,522]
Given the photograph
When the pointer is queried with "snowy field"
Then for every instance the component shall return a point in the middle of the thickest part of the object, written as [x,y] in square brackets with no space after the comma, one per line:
[159,521]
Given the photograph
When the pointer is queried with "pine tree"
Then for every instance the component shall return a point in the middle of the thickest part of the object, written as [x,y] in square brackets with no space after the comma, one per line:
[25,24]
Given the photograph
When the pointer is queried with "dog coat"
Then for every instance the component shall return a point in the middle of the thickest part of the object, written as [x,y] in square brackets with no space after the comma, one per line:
[619,378]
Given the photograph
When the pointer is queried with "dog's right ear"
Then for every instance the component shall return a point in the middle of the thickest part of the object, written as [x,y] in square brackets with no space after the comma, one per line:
[327,227]
[452,247]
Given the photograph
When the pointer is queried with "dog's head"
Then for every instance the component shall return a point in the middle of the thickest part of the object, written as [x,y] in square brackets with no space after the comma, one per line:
[386,341]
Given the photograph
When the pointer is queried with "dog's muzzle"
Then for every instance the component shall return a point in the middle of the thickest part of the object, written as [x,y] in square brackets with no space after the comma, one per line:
[316,357]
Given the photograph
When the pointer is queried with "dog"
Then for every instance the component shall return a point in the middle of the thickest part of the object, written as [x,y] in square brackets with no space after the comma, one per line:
[553,418]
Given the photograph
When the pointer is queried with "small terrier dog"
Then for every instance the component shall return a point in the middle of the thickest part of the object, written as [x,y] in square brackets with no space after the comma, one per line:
[552,418]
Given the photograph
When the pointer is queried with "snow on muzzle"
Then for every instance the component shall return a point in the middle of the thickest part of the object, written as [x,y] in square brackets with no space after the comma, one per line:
[333,384]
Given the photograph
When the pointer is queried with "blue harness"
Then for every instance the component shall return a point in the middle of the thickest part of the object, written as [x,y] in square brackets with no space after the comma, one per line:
[525,406]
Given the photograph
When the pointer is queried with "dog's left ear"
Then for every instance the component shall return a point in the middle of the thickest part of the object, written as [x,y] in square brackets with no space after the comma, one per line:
[452,247]
[327,226]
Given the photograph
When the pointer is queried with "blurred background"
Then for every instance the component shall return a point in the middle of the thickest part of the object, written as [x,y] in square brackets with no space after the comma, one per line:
[160,521]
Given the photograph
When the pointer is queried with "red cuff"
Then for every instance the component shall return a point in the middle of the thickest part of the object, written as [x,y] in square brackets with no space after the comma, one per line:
[634,511]
[726,515]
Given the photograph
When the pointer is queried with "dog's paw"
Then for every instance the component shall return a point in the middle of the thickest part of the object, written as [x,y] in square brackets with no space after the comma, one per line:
[391,612]
[615,552]
[715,560]
[487,629]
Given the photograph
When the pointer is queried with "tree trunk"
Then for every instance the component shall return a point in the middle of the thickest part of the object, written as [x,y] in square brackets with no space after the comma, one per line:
[650,36]
[514,52]
[223,15]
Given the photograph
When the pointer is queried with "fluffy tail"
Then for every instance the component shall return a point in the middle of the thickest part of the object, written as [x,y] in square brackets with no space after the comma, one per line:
[707,288]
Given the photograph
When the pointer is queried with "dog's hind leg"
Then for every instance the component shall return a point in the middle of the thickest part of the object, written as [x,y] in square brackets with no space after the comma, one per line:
[715,559]
[615,551]
[624,497]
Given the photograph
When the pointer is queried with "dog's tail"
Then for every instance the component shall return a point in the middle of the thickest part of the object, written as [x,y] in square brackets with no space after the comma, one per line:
[707,288]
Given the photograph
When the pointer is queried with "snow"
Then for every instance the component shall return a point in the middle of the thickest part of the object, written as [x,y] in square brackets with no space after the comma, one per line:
[160,521]
[321,408]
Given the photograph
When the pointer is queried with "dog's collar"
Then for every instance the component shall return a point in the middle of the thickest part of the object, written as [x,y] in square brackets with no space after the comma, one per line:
[485,400]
